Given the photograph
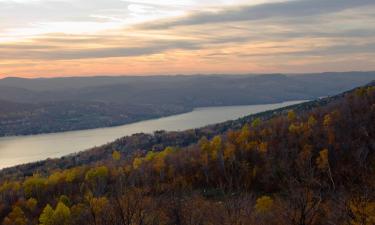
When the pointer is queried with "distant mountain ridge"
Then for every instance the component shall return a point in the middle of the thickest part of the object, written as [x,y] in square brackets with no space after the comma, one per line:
[139,98]
[40,84]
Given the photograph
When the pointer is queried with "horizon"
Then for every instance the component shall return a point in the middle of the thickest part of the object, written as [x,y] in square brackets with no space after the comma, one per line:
[184,75]
[67,38]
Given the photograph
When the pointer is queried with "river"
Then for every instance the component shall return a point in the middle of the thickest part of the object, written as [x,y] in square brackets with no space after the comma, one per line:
[24,149]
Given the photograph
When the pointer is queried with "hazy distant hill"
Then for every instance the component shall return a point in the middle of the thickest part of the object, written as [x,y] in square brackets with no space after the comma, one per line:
[191,90]
[88,102]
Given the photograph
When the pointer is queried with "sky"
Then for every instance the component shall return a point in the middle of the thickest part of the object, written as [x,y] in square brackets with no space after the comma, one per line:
[51,38]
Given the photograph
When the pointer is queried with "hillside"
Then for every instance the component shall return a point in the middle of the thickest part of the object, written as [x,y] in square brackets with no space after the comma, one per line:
[307,165]
[84,103]
[58,116]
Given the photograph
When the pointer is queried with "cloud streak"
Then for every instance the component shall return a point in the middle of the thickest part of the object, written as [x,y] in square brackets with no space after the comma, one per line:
[38,52]
[295,8]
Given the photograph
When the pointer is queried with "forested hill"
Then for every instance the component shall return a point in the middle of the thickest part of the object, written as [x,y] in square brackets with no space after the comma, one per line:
[311,165]
[64,104]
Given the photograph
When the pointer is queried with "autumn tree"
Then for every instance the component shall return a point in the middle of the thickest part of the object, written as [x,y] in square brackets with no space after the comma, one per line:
[264,210]
[116,155]
[362,211]
[323,164]
[61,215]
[264,205]
[46,218]
[97,178]
[98,209]
[292,116]
[16,217]
[34,187]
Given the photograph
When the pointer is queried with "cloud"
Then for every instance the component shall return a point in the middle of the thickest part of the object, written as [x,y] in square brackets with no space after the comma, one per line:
[329,52]
[166,3]
[295,8]
[51,53]
[264,37]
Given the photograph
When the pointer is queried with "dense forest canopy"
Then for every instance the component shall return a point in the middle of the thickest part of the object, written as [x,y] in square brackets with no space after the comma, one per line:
[300,167]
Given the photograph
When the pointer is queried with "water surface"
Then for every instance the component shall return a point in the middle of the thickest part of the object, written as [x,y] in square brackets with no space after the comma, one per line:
[25,149]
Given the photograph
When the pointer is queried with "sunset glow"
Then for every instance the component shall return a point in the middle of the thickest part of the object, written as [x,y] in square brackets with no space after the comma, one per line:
[48,38]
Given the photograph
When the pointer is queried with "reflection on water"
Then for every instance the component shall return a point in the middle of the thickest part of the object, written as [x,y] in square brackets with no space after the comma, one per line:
[24,149]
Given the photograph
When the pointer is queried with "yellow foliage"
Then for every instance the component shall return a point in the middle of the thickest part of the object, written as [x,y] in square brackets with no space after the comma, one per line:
[163,154]
[322,160]
[72,174]
[168,150]
[370,90]
[116,155]
[137,163]
[229,151]
[243,136]
[156,158]
[263,147]
[292,116]
[98,205]
[65,199]
[10,187]
[294,128]
[159,162]
[100,172]
[55,178]
[327,121]
[363,212]
[216,145]
[312,121]
[305,155]
[34,186]
[204,144]
[16,217]
[150,156]
[256,123]
[263,205]
[62,214]
[31,204]
[46,217]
